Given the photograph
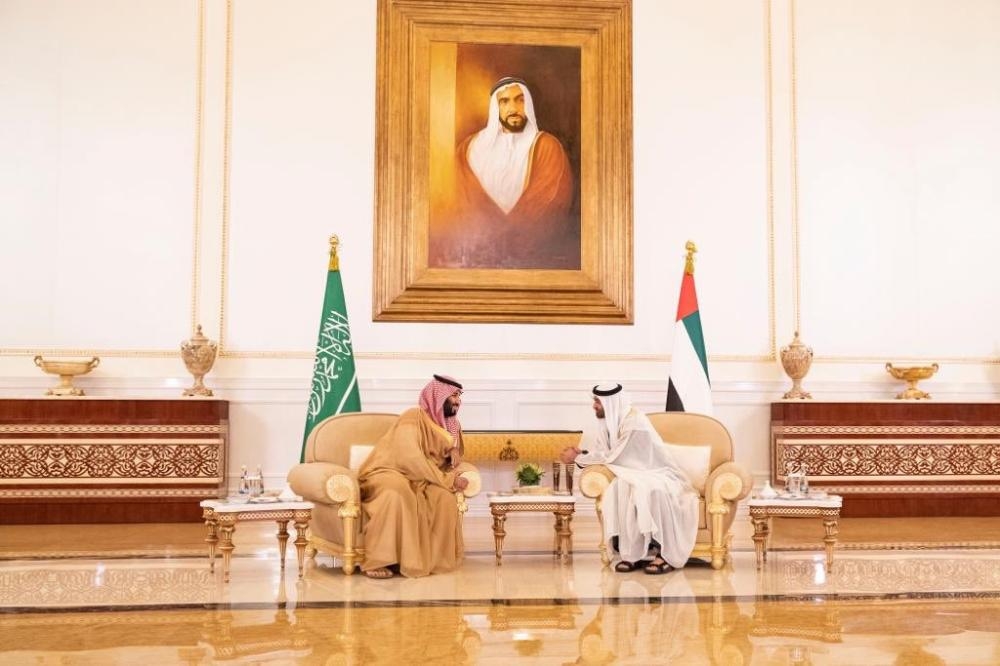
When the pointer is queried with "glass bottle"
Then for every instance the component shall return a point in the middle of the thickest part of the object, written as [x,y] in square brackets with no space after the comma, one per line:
[244,485]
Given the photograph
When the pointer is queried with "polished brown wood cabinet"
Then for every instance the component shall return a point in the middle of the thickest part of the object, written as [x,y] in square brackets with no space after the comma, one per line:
[100,460]
[893,458]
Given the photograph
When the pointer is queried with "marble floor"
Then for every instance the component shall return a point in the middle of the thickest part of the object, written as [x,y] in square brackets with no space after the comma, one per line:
[144,595]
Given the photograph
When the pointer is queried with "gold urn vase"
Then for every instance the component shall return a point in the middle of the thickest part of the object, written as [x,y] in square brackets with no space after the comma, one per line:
[796,359]
[198,354]
[66,370]
[911,376]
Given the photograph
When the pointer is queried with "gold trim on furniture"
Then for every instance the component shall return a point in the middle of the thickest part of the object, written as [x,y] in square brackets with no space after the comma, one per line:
[529,446]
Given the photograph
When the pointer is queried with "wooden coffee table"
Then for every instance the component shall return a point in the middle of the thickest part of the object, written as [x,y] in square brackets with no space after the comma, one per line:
[826,508]
[562,506]
[222,515]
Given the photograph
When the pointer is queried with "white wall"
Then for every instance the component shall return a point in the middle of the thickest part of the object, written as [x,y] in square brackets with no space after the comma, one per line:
[167,162]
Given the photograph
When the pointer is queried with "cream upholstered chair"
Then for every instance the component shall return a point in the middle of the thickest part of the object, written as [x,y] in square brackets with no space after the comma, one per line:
[335,450]
[704,449]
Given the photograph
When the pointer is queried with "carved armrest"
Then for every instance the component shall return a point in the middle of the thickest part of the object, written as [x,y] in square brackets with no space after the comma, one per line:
[594,480]
[470,472]
[325,483]
[728,482]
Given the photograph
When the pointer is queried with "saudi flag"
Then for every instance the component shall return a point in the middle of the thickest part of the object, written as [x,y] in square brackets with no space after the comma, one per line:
[335,381]
[689,389]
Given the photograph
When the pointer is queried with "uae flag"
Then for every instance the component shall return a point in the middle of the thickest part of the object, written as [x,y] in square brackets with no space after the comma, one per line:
[335,381]
[689,389]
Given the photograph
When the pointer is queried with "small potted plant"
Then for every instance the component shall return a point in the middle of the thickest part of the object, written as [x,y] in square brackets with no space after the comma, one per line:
[528,476]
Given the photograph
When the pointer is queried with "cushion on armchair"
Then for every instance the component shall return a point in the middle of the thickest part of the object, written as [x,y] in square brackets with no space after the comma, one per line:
[694,462]
[358,455]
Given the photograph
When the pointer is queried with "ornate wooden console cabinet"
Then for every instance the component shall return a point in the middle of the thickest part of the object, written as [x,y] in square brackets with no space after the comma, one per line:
[894,458]
[96,460]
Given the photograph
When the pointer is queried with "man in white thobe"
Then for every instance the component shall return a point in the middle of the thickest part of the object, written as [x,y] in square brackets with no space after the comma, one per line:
[650,509]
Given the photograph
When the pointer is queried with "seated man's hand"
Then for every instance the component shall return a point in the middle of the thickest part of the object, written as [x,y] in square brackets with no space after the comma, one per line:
[569,454]
[455,457]
[461,483]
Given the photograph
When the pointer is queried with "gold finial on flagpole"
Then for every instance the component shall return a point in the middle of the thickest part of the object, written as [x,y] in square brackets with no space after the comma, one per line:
[689,261]
[334,259]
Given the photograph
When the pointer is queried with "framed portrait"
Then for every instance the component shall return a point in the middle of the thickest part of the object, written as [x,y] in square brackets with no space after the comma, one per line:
[504,161]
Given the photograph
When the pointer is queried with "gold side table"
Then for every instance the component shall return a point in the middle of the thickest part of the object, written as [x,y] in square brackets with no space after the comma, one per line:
[826,508]
[561,506]
[221,517]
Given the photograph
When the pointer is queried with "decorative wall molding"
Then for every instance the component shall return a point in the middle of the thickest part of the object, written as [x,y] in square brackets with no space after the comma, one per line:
[198,147]
[769,134]
[648,394]
[227,134]
[501,356]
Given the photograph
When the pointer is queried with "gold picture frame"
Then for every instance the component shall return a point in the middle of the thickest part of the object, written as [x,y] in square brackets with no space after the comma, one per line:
[412,35]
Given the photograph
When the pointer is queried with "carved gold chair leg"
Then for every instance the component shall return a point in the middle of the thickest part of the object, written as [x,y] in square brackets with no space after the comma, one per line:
[282,541]
[719,550]
[603,547]
[349,512]
[301,522]
[213,537]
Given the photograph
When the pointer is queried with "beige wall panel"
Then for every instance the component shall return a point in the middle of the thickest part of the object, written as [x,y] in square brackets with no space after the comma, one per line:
[302,167]
[899,175]
[701,171]
[97,134]
[302,160]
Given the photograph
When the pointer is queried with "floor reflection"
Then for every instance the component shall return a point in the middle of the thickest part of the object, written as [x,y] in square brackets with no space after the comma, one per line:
[906,607]
[722,631]
[669,632]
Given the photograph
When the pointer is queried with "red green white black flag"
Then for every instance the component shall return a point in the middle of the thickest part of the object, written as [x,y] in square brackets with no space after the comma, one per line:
[689,388]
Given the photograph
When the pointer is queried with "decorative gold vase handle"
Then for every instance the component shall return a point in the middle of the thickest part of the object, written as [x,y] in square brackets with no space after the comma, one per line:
[94,362]
[38,360]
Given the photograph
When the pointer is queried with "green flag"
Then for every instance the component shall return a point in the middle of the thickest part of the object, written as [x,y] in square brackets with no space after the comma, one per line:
[335,381]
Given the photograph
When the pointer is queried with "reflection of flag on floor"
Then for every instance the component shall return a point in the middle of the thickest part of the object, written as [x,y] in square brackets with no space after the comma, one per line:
[335,381]
[690,389]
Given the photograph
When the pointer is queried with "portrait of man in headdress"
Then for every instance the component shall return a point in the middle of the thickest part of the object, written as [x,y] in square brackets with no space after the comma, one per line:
[505,193]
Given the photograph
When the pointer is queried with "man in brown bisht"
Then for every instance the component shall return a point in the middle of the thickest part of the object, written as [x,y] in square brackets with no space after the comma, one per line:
[408,487]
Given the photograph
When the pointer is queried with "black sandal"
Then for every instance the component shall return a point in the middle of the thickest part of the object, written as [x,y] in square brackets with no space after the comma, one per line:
[625,567]
[655,568]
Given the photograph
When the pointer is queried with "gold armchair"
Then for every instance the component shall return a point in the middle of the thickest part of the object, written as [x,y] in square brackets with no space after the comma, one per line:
[329,479]
[726,482]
